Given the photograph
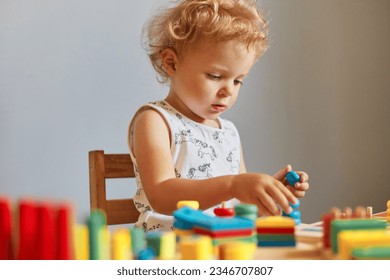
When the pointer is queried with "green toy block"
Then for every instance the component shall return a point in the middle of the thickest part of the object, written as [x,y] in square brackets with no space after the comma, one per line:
[353,224]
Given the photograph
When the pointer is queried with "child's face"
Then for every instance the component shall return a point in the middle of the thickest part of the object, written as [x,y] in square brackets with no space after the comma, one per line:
[206,81]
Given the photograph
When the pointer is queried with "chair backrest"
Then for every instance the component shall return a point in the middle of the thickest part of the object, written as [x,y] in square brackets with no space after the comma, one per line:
[110,166]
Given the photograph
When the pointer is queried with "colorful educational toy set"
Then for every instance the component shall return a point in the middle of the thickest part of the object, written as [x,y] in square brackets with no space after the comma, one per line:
[38,230]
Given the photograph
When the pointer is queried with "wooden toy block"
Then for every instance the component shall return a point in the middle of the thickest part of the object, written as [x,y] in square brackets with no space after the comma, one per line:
[196,247]
[27,230]
[153,241]
[244,239]
[246,211]
[138,241]
[275,222]
[199,219]
[64,232]
[237,251]
[121,245]
[291,243]
[224,233]
[275,230]
[292,178]
[182,232]
[81,242]
[295,214]
[6,243]
[371,253]
[337,226]
[350,239]
[276,237]
[47,234]
[163,244]
[146,254]
[189,203]
[168,246]
[97,229]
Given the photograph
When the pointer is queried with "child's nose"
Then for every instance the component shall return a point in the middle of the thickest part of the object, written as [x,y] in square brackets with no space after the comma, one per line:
[226,91]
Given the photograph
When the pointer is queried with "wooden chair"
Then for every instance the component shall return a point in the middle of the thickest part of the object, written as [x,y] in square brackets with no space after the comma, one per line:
[110,166]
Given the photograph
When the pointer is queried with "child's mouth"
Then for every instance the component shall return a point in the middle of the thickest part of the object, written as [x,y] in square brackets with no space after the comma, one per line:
[219,107]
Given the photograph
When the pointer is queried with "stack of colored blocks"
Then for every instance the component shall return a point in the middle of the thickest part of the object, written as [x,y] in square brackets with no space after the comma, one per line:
[363,239]
[292,178]
[275,231]
[339,226]
[219,229]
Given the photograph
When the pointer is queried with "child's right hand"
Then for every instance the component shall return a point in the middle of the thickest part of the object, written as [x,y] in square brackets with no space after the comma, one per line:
[263,190]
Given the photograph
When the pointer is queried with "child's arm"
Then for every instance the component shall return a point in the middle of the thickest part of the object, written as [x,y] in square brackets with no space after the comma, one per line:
[152,150]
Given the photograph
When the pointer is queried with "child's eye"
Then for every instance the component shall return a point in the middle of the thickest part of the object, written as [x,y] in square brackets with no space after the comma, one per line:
[238,82]
[213,76]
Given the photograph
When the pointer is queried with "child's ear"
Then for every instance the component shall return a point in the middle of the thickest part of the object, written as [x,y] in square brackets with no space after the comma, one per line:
[169,60]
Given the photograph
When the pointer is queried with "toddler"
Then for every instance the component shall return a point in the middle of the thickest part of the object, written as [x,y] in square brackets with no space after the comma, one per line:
[181,147]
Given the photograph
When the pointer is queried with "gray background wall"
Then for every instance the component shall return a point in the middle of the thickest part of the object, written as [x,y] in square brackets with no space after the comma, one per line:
[72,73]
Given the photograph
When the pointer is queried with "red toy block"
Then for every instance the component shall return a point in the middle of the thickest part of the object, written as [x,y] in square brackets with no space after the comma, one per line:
[46,249]
[64,233]
[28,230]
[275,230]
[6,248]
[224,233]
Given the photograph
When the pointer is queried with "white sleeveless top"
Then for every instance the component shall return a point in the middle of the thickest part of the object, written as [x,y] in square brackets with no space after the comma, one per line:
[198,152]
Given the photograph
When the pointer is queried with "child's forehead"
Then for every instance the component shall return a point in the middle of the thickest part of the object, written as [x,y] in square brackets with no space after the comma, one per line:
[221,56]
[218,50]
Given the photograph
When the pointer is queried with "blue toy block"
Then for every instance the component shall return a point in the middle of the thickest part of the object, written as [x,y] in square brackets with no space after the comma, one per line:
[276,243]
[295,214]
[296,205]
[146,254]
[292,178]
[187,215]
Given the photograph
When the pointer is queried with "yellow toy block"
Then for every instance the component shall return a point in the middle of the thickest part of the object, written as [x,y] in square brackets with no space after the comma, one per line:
[183,232]
[121,245]
[275,222]
[81,242]
[168,246]
[237,251]
[388,204]
[190,203]
[196,247]
[350,239]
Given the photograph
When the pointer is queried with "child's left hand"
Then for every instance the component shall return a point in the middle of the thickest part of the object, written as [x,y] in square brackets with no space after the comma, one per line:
[300,188]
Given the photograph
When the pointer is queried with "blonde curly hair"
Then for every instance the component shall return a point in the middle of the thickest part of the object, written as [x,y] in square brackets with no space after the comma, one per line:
[190,22]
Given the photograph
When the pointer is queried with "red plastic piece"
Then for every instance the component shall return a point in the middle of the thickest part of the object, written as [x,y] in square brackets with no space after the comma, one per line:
[6,248]
[64,233]
[224,212]
[28,231]
[46,232]
[224,233]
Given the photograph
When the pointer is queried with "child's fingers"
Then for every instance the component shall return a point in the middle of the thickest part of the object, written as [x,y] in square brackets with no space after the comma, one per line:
[304,176]
[302,186]
[269,204]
